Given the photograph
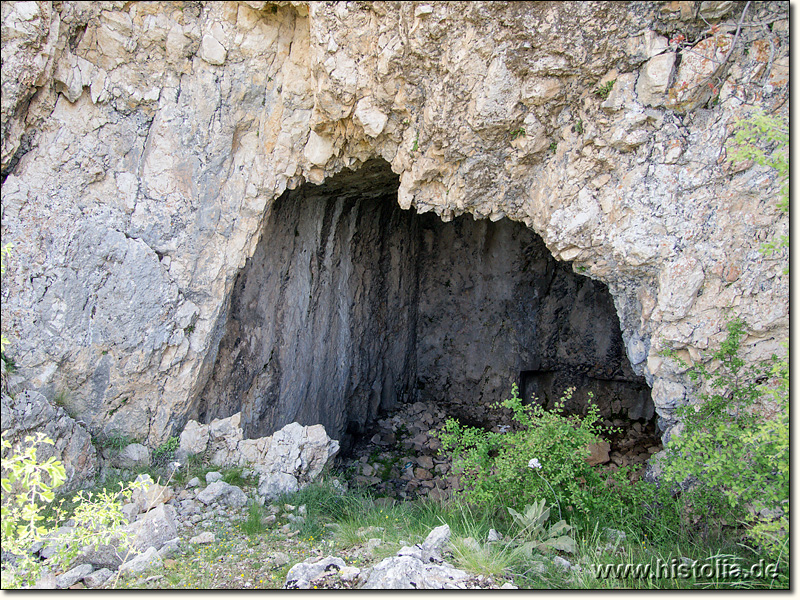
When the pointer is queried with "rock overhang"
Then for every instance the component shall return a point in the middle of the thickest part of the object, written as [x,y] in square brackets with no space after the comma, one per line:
[627,187]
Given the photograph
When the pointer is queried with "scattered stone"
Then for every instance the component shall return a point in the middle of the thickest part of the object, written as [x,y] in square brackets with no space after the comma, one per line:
[562,563]
[148,559]
[426,462]
[280,558]
[301,575]
[598,453]
[422,474]
[494,536]
[213,476]
[207,537]
[193,482]
[73,576]
[98,578]
[219,491]
[508,586]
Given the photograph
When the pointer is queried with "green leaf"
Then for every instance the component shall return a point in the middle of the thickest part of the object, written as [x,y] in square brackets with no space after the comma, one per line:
[563,543]
[559,528]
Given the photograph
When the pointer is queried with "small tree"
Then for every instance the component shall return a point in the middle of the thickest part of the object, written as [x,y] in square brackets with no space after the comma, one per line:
[28,485]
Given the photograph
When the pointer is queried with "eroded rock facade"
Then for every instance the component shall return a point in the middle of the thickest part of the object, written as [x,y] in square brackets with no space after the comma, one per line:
[144,145]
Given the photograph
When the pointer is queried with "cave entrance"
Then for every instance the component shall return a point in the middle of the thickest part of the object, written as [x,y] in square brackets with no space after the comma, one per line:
[351,306]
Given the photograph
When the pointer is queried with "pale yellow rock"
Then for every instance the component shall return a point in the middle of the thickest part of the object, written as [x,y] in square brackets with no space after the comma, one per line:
[318,149]
[654,79]
[212,51]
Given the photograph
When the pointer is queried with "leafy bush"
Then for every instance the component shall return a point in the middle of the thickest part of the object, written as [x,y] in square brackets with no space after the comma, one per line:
[165,452]
[729,449]
[494,467]
[27,490]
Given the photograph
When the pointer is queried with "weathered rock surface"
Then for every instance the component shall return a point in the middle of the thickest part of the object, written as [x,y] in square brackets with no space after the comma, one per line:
[73,575]
[418,567]
[149,494]
[223,493]
[143,149]
[133,456]
[98,578]
[470,306]
[155,528]
[286,461]
[147,560]
[408,573]
[29,412]
[296,457]
[302,575]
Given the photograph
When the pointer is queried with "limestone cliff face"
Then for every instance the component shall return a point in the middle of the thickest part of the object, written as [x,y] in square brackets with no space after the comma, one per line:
[145,144]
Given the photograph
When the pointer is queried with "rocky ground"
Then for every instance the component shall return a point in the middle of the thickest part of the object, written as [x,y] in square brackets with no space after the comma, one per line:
[195,536]
[220,530]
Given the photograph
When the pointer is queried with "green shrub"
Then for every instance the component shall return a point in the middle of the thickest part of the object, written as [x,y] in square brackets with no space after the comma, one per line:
[494,467]
[729,454]
[27,495]
[165,452]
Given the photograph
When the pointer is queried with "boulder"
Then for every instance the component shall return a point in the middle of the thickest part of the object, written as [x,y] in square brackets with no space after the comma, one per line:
[301,575]
[146,560]
[73,576]
[224,493]
[170,548]
[419,567]
[155,528]
[194,439]
[408,572]
[106,556]
[133,456]
[98,578]
[296,457]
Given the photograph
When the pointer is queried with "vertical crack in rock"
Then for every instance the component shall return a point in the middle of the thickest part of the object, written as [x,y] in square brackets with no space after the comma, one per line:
[350,305]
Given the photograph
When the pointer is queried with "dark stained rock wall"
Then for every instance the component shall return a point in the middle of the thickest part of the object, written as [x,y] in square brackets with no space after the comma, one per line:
[350,304]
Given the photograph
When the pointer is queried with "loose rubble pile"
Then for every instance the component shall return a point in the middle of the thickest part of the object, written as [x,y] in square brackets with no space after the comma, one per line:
[401,456]
[157,519]
[286,461]
[420,567]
